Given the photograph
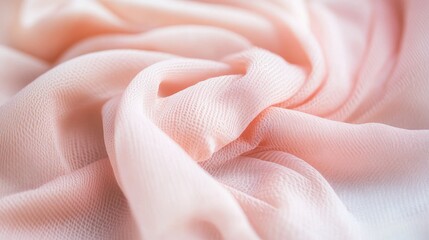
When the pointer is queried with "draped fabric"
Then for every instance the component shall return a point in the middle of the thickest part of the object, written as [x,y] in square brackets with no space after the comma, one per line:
[227,119]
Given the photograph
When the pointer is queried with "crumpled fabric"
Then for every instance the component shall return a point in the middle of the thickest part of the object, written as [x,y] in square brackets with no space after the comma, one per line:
[228,119]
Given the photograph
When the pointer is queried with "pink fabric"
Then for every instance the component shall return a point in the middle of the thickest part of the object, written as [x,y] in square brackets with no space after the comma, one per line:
[230,119]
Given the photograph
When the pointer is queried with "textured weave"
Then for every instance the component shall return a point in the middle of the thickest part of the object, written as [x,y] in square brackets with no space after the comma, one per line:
[226,119]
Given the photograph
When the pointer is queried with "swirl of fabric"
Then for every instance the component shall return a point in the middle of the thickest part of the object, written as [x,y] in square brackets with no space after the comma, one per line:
[214,119]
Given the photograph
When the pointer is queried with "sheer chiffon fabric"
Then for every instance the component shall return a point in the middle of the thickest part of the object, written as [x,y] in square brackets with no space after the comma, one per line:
[227,119]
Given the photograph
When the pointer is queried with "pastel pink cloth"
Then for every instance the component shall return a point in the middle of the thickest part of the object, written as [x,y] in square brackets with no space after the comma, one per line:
[230,119]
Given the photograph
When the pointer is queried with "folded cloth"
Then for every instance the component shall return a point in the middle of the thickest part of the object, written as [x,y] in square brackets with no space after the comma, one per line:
[215,119]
